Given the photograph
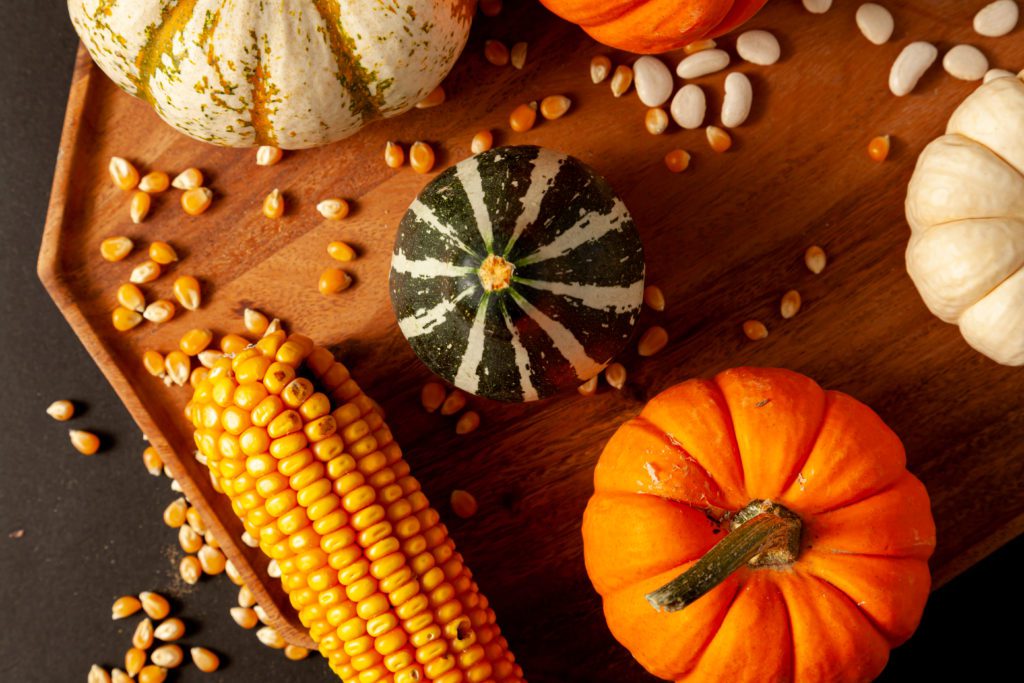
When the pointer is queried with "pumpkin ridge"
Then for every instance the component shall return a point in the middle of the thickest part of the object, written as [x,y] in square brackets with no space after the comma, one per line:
[353,76]
[172,21]
[856,500]
[860,610]
[814,442]
[259,116]
[678,448]
[727,413]
[740,581]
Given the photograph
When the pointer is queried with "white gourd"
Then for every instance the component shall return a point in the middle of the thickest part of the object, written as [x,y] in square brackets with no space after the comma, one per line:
[287,73]
[965,206]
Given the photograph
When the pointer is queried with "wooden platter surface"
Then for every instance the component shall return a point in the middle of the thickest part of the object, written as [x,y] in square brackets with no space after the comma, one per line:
[724,240]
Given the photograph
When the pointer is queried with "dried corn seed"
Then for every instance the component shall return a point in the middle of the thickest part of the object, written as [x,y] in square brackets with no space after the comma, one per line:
[481,142]
[267,155]
[815,259]
[147,271]
[162,253]
[295,652]
[910,65]
[118,676]
[421,157]
[274,326]
[196,201]
[495,52]
[138,207]
[463,503]
[699,46]
[151,673]
[333,209]
[554,106]
[154,182]
[154,605]
[211,560]
[190,570]
[719,140]
[116,248]
[143,636]
[523,117]
[739,96]
[654,298]
[790,304]
[125,606]
[652,341]
[175,486]
[159,311]
[178,367]
[996,19]
[273,204]
[61,410]
[270,638]
[167,656]
[273,569]
[965,62]
[189,179]
[123,173]
[261,614]
[490,8]
[194,341]
[174,514]
[244,617]
[245,597]
[875,22]
[656,121]
[131,297]
[151,459]
[205,660]
[333,280]
[878,148]
[134,660]
[232,344]
[689,106]
[97,674]
[434,98]
[339,251]
[677,160]
[195,520]
[84,442]
[588,388]
[153,361]
[210,540]
[394,155]
[468,422]
[758,47]
[187,292]
[653,81]
[232,572]
[702,63]
[517,56]
[600,67]
[755,330]
[615,375]
[455,402]
[817,6]
[125,319]
[170,629]
[432,396]
[621,80]
[255,322]
[189,540]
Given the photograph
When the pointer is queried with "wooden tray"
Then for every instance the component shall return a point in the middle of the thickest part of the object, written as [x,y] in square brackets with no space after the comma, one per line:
[724,240]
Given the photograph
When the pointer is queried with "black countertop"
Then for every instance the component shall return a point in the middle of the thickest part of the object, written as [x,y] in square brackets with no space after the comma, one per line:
[92,527]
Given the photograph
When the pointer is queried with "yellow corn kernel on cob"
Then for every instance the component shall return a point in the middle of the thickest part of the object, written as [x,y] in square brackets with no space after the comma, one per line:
[316,477]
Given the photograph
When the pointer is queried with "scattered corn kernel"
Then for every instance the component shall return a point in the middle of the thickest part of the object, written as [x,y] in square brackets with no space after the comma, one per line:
[125,319]
[588,388]
[212,560]
[815,259]
[189,179]
[142,638]
[233,343]
[790,304]
[138,207]
[147,271]
[159,311]
[274,326]
[162,253]
[195,341]
[131,297]
[195,520]
[677,160]
[615,375]
[621,80]
[463,503]
[270,638]
[151,673]
[123,173]
[295,652]
[174,515]
[266,155]
[339,251]
[98,674]
[432,396]
[244,617]
[245,597]
[523,117]
[170,629]
[333,280]
[116,248]
[153,361]
[517,56]
[187,292]
[167,656]
[196,201]
[273,204]
[125,606]
[699,46]
[468,422]
[719,140]
[600,67]
[394,155]
[421,157]
[496,52]
[652,340]
[118,676]
[151,459]
[434,98]
[190,570]
[189,540]
[654,298]
[61,410]
[84,442]
[455,402]
[490,8]
[254,321]
[878,148]
[554,106]
[333,209]
[205,660]
[178,367]
[154,182]
[481,142]
[656,121]
[134,660]
[755,330]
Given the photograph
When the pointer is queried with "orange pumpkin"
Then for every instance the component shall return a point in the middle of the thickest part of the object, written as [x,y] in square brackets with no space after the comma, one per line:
[756,528]
[653,26]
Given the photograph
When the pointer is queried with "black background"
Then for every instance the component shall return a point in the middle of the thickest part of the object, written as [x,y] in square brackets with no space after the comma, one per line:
[92,526]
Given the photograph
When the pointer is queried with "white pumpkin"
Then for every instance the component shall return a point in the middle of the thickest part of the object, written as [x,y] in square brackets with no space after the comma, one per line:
[288,73]
[965,206]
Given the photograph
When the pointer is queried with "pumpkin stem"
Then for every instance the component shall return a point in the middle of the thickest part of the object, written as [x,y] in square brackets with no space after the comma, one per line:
[495,273]
[761,534]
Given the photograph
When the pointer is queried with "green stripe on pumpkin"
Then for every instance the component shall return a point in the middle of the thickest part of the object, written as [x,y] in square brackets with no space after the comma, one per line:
[159,37]
[354,78]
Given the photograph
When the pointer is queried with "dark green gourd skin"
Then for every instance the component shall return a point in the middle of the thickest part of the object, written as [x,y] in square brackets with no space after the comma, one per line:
[576,279]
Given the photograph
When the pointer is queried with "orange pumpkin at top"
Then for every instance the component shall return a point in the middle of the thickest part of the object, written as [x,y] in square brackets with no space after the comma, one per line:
[755,528]
[654,26]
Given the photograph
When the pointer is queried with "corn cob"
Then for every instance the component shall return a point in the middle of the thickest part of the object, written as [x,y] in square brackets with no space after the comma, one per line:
[318,480]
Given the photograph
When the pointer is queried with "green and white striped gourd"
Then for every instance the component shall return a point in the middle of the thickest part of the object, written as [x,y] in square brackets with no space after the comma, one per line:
[517,273]
[288,73]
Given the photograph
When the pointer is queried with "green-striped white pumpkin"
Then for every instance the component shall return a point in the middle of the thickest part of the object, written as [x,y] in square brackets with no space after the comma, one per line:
[289,73]
[517,273]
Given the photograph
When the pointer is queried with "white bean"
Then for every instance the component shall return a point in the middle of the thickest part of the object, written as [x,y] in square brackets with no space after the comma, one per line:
[997,18]
[965,62]
[875,22]
[702,63]
[738,97]
[817,6]
[758,47]
[689,106]
[993,74]
[653,81]
[910,65]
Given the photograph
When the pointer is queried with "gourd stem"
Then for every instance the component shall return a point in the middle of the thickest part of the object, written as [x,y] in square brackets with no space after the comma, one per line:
[764,534]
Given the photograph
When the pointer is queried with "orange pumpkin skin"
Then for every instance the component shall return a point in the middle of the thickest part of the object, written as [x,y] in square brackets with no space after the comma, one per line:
[706,447]
[654,26]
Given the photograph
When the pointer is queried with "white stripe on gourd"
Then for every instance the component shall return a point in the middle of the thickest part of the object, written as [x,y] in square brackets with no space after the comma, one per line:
[467,376]
[428,267]
[425,214]
[423,321]
[542,175]
[472,184]
[590,227]
[522,360]
[562,338]
[616,299]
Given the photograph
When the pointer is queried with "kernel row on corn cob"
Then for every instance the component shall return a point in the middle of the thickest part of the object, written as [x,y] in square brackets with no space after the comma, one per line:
[320,484]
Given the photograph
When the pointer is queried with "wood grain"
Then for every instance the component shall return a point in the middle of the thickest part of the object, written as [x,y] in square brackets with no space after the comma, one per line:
[724,240]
